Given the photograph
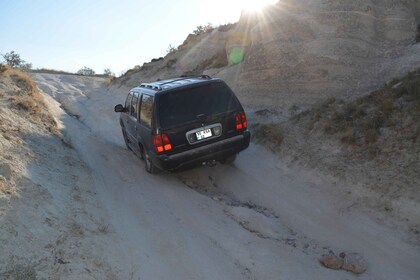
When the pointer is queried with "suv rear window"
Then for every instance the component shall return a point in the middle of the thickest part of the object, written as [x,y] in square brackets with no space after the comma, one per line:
[185,105]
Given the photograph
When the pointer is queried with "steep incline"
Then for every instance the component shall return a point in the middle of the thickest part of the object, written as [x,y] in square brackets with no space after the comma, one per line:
[301,51]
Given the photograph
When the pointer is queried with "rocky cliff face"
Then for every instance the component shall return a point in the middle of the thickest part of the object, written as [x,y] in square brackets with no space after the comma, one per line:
[301,51]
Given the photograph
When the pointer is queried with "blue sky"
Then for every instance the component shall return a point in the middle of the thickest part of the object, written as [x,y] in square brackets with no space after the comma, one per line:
[67,35]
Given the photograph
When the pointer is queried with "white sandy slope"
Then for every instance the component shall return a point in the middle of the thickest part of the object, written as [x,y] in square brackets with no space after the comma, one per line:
[256,219]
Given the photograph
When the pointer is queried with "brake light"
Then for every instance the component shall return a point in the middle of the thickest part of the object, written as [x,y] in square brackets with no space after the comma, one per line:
[166,143]
[240,121]
[162,143]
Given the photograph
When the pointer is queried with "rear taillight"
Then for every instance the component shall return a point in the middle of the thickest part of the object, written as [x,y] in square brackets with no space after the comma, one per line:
[240,121]
[162,143]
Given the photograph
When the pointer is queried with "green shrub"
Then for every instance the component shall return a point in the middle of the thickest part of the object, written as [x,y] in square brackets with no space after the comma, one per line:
[86,71]
[13,60]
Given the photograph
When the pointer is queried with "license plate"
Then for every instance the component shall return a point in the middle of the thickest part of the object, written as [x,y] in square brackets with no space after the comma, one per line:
[203,134]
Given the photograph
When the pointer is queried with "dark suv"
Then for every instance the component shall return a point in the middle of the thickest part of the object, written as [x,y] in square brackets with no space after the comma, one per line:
[182,122]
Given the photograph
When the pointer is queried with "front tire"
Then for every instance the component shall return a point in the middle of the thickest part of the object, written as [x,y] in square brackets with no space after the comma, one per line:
[126,139]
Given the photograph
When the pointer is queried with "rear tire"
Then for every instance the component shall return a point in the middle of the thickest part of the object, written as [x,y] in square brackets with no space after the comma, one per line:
[149,166]
[228,160]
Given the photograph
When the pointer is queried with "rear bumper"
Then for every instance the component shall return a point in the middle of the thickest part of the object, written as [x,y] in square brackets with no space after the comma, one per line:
[213,151]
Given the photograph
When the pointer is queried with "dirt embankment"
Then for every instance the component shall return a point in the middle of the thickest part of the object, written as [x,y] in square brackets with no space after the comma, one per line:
[44,192]
[22,110]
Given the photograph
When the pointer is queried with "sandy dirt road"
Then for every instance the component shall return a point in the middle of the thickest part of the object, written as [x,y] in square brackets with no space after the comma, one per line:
[256,219]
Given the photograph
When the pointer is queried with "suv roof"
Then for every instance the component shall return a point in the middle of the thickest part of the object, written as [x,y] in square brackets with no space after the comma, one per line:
[173,83]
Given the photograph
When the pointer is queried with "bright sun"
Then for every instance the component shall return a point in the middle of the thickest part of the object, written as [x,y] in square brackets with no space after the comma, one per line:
[256,5]
[228,11]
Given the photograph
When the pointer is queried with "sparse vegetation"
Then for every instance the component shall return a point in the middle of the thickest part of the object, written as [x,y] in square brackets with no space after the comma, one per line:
[366,124]
[86,71]
[270,135]
[15,61]
[362,122]
[171,49]
[203,29]
[103,228]
[108,72]
[2,68]
[29,101]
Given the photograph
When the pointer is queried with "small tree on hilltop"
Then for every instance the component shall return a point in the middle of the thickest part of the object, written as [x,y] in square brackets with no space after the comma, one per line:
[86,71]
[13,60]
[108,72]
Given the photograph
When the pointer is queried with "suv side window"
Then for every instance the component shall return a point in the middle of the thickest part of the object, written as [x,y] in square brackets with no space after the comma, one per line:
[134,105]
[128,102]
[146,110]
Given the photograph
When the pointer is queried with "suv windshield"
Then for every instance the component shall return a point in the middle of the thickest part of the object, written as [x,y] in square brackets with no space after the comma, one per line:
[186,105]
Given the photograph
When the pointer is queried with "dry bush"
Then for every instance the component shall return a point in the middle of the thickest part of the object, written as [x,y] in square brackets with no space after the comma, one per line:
[5,187]
[24,103]
[22,80]
[29,101]
[271,134]
[3,68]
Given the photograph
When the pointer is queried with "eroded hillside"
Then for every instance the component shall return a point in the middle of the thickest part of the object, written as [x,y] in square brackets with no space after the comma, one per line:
[299,52]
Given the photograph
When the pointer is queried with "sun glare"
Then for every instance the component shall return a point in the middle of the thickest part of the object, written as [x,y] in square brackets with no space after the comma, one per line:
[229,11]
[256,5]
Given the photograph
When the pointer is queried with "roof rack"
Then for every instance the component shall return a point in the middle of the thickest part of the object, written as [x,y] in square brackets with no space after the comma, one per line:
[185,77]
[196,76]
[158,86]
[150,86]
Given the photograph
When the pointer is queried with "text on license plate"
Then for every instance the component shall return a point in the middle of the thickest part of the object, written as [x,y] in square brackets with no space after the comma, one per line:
[203,134]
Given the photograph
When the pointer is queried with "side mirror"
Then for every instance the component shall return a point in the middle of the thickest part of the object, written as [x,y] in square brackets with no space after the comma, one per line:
[119,108]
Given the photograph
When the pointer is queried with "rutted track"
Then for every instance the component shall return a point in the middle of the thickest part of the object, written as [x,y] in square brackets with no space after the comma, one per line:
[256,219]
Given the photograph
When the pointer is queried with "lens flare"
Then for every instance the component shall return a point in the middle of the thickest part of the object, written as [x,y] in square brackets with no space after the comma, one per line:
[236,55]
